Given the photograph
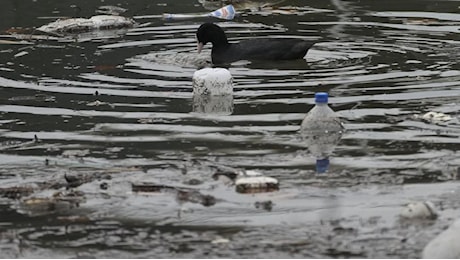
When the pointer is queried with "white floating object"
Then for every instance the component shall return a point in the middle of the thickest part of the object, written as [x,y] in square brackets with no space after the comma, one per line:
[220,241]
[420,210]
[255,184]
[74,25]
[252,173]
[435,117]
[227,13]
[445,245]
[212,81]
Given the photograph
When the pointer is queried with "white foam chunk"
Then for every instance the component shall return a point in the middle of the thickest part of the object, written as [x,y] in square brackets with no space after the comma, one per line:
[419,210]
[83,24]
[212,81]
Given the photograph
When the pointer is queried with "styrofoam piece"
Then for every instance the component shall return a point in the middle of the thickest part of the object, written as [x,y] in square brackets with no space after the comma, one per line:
[419,210]
[82,24]
[212,81]
[254,184]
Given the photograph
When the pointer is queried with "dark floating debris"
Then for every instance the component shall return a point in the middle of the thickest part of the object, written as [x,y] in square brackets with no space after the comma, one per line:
[75,180]
[266,205]
[182,194]
[104,185]
[150,187]
[16,192]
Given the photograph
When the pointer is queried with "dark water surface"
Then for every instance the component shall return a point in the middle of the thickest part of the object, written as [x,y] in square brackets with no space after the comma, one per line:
[384,64]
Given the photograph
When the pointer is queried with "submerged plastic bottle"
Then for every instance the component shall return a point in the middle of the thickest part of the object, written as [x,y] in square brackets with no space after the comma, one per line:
[322,130]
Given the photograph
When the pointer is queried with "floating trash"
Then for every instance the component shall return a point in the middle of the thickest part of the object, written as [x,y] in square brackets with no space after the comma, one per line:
[434,117]
[212,81]
[220,240]
[266,205]
[321,130]
[183,59]
[419,210]
[60,202]
[96,103]
[150,187]
[8,42]
[255,182]
[239,4]
[16,192]
[182,194]
[445,245]
[110,10]
[77,25]
[213,91]
[227,13]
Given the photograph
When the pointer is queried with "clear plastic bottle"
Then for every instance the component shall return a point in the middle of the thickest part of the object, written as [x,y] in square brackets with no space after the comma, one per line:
[321,118]
[322,130]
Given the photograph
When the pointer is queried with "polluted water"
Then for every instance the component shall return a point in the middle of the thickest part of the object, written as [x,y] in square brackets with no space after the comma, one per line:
[110,148]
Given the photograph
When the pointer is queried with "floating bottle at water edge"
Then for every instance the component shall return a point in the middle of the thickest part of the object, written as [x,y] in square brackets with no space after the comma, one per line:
[321,119]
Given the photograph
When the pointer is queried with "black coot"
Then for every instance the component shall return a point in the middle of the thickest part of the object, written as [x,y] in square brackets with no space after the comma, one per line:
[254,49]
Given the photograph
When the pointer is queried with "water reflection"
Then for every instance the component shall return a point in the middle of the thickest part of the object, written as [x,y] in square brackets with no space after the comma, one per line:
[211,104]
[321,146]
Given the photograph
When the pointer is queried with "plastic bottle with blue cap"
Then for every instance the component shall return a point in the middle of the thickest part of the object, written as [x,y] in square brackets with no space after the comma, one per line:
[322,130]
[321,118]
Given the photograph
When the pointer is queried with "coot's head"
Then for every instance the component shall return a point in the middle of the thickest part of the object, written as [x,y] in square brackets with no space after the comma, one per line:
[209,32]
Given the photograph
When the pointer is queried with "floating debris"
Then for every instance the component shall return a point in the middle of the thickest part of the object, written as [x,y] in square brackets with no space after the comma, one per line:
[195,197]
[239,4]
[16,192]
[266,205]
[255,182]
[110,10]
[96,103]
[227,13]
[419,210]
[220,240]
[77,25]
[182,194]
[150,187]
[74,219]
[445,245]
[36,97]
[434,117]
[75,180]
[15,42]
[183,59]
[60,202]
[212,81]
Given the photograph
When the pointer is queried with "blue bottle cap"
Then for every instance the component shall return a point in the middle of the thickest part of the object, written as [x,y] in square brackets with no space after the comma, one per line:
[321,97]
[322,165]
